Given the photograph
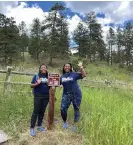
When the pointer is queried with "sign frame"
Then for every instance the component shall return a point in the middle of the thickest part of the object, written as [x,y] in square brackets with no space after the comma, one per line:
[53,79]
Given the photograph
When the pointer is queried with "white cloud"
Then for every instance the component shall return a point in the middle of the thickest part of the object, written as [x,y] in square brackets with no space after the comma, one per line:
[117,11]
[5,6]
[72,23]
[104,28]
[114,12]
[22,12]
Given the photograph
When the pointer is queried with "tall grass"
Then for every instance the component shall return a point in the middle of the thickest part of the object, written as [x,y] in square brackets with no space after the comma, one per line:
[106,114]
[101,71]
[107,117]
[15,110]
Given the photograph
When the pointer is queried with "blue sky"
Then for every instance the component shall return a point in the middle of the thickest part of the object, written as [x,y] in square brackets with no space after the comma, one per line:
[44,5]
[48,4]
[109,13]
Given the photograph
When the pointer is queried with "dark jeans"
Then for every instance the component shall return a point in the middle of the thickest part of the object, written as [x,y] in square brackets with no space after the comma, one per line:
[40,104]
[67,99]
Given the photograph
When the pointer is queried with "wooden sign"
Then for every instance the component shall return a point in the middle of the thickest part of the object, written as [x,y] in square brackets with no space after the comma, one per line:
[53,79]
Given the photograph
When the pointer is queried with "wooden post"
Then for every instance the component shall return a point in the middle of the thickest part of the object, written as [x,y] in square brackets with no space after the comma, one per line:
[51,108]
[53,81]
[8,78]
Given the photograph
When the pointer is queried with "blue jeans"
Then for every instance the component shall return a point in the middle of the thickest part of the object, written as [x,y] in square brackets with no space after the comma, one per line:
[67,99]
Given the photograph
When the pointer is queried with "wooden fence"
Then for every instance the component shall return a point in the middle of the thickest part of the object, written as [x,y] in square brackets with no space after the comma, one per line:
[85,82]
[7,82]
[7,86]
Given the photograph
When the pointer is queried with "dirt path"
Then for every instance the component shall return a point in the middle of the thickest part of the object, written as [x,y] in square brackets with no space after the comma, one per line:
[57,136]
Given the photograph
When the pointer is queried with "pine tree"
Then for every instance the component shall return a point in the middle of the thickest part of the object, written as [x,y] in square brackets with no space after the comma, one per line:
[63,37]
[35,41]
[128,42]
[80,36]
[24,42]
[119,41]
[111,41]
[96,43]
[52,24]
[9,39]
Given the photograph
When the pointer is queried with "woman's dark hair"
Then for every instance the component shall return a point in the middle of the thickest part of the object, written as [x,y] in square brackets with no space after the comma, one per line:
[40,70]
[63,71]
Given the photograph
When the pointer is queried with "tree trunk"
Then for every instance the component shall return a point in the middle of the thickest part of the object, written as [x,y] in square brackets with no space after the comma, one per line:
[89,50]
[52,47]
[23,54]
[94,57]
[119,54]
[37,55]
[5,57]
[111,54]
[102,57]
[127,55]
[51,61]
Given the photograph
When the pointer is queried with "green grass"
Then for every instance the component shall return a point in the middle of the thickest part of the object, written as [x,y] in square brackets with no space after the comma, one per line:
[107,117]
[2,77]
[15,112]
[102,71]
[96,71]
[106,113]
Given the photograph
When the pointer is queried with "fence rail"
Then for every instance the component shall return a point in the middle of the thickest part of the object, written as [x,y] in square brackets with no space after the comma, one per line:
[15,83]
[85,82]
[19,73]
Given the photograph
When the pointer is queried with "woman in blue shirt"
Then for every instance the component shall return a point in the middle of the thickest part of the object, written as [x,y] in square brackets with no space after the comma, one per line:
[40,87]
[71,92]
